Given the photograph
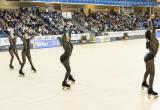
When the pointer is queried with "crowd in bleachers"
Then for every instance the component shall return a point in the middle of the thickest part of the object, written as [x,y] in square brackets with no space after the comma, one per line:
[52,23]
[39,22]
[100,22]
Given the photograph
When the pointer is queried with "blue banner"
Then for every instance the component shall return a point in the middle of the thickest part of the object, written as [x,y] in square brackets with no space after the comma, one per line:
[106,2]
[46,43]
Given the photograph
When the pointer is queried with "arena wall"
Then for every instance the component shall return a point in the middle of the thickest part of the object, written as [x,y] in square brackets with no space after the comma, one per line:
[69,7]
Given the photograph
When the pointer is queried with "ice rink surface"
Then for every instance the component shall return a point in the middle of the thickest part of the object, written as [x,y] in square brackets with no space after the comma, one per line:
[108,77]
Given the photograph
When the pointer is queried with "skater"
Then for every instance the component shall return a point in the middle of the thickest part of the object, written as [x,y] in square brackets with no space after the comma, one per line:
[153,45]
[12,48]
[25,37]
[68,47]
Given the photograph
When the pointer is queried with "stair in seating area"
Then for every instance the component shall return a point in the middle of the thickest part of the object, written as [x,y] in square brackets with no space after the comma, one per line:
[77,24]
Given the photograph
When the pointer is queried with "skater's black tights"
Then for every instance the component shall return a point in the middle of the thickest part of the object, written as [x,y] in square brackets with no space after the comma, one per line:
[150,70]
[23,59]
[13,52]
[26,53]
[12,55]
[68,69]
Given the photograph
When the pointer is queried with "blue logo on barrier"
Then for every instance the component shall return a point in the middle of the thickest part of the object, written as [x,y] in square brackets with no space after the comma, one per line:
[158,34]
[46,43]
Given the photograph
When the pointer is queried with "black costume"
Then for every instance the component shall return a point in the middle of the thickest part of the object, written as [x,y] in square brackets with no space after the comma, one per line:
[153,45]
[12,48]
[26,51]
[68,47]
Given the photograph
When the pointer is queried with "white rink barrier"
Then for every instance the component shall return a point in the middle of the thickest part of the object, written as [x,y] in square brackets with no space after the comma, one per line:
[73,37]
[100,39]
[120,34]
[79,36]
[51,39]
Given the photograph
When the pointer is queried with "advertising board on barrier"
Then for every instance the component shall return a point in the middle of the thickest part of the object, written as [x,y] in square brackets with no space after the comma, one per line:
[158,33]
[100,39]
[78,37]
[46,43]
[47,37]
[120,34]
[136,33]
[74,36]
[4,41]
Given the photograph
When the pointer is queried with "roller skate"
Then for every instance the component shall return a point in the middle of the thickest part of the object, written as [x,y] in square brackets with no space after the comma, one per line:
[33,69]
[66,86]
[152,94]
[145,85]
[21,74]
[70,78]
[11,67]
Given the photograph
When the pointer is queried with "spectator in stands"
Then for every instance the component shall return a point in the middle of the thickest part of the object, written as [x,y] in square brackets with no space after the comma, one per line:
[45,23]
[100,22]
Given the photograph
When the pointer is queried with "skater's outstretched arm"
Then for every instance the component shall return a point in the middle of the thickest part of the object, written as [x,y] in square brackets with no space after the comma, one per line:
[70,35]
[64,36]
[32,37]
[70,32]
[153,28]
[152,43]
[65,43]
[152,24]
